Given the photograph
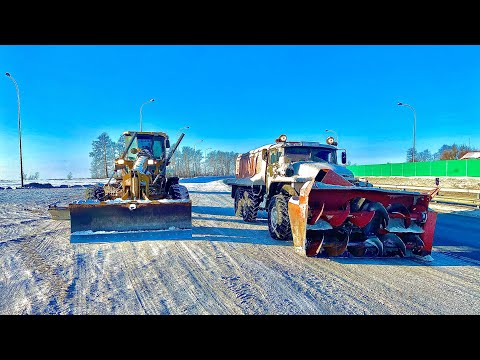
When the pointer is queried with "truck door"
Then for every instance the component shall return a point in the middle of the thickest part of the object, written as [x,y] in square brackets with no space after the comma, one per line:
[272,164]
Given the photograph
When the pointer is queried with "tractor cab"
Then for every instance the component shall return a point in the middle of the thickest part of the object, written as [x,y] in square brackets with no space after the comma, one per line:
[153,142]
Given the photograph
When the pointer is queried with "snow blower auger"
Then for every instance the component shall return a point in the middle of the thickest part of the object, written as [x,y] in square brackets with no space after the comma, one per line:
[319,204]
[142,203]
[334,217]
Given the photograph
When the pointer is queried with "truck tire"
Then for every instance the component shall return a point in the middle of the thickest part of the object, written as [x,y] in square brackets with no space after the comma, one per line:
[178,192]
[238,196]
[249,203]
[278,220]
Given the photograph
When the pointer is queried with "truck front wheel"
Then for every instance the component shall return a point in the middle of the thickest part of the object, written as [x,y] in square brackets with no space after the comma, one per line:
[278,220]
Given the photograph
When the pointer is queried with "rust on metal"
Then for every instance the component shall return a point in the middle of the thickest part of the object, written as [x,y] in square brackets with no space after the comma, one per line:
[298,213]
[247,164]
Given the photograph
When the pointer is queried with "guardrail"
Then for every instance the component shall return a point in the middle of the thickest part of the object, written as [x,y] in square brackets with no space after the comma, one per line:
[444,199]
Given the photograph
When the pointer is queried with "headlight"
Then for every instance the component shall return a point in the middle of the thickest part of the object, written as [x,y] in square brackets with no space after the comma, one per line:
[281,138]
[120,161]
[330,140]
[151,162]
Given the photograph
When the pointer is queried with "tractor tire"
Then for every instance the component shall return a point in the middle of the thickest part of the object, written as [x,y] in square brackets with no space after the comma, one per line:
[238,196]
[178,192]
[96,192]
[278,220]
[249,204]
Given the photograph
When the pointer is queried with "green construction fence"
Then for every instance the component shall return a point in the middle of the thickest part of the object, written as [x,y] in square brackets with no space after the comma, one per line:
[428,168]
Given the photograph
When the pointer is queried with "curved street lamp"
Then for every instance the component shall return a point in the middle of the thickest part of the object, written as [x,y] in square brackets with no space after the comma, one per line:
[414,126]
[180,130]
[19,127]
[141,107]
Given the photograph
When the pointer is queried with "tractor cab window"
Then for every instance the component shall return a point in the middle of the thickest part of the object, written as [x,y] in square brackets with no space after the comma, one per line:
[316,154]
[153,144]
[145,143]
[158,144]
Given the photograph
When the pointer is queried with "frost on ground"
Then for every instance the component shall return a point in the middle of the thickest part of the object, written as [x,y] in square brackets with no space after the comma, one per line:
[446,182]
[454,209]
[227,267]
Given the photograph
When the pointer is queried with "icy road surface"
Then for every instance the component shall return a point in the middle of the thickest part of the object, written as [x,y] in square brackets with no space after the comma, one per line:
[228,267]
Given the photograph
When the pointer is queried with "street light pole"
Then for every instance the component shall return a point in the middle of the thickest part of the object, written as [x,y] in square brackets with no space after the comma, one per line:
[141,107]
[179,130]
[334,133]
[19,127]
[414,126]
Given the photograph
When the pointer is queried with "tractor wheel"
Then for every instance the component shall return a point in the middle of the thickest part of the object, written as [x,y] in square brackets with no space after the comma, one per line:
[96,192]
[249,204]
[238,197]
[278,220]
[178,192]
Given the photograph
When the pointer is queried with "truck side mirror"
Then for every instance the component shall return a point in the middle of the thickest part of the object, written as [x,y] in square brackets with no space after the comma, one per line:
[344,157]
[167,143]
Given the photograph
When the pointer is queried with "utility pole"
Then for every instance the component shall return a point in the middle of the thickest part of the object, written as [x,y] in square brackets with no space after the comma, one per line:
[414,126]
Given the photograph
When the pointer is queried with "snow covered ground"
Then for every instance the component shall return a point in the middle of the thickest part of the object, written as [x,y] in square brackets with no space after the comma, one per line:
[227,267]
[454,209]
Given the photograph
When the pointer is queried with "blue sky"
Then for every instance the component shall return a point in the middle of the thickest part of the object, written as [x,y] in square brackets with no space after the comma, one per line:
[235,98]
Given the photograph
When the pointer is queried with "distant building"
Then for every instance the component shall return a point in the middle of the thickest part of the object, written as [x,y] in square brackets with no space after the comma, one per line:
[471,155]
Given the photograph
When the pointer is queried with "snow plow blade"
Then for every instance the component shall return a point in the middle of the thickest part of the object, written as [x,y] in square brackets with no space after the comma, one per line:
[110,221]
[333,217]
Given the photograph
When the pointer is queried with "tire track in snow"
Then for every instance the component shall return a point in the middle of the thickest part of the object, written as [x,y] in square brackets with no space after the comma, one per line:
[280,292]
[207,282]
[132,260]
[49,291]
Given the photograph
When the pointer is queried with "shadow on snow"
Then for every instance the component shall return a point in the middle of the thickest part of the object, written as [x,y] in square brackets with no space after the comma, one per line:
[203,179]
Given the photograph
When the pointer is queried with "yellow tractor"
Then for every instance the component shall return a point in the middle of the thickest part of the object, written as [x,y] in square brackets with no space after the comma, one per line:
[141,203]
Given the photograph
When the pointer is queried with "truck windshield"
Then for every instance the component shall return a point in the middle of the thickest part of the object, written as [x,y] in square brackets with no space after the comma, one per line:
[304,153]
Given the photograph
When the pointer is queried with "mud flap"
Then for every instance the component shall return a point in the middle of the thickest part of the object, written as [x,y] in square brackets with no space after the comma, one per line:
[130,221]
